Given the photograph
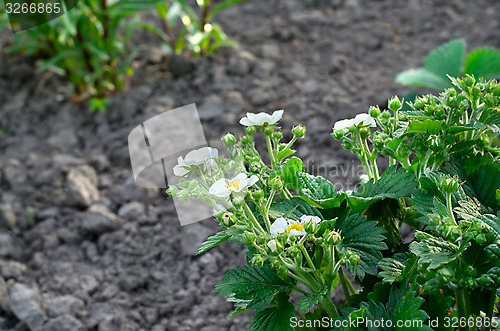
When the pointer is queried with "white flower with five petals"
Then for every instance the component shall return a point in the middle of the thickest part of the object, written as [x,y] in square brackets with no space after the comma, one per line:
[224,187]
[261,118]
[360,119]
[203,156]
[292,227]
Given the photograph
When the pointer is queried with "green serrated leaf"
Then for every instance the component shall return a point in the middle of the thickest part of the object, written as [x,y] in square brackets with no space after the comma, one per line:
[275,318]
[319,192]
[436,251]
[213,241]
[483,62]
[308,301]
[253,287]
[447,59]
[427,126]
[288,172]
[293,209]
[364,238]
[422,78]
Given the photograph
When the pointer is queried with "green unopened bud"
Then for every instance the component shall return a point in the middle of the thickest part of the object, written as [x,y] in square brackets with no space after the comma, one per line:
[172,191]
[364,132]
[311,227]
[258,194]
[227,219]
[268,130]
[250,130]
[395,104]
[282,237]
[274,246]
[374,111]
[347,145]
[245,140]
[449,184]
[255,167]
[238,201]
[354,259]
[193,185]
[184,183]
[277,135]
[229,140]
[386,115]
[486,281]
[249,238]
[299,131]
[338,134]
[183,196]
[333,237]
[257,261]
[276,184]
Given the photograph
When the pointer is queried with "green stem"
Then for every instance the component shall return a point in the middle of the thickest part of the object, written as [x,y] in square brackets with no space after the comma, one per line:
[449,206]
[363,157]
[491,305]
[346,280]
[308,258]
[327,304]
[271,153]
[462,306]
[290,143]
[256,223]
[266,210]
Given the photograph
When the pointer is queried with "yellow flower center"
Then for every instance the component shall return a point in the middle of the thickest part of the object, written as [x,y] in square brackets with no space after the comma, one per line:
[295,226]
[234,183]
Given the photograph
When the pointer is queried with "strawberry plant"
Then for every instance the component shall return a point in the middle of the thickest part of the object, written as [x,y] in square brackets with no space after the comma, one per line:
[303,236]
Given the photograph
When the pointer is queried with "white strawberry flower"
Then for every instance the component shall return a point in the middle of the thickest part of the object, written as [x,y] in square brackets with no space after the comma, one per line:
[360,119]
[261,118]
[224,187]
[292,227]
[204,156]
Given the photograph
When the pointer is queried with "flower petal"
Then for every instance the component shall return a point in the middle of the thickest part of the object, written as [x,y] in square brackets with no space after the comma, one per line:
[276,116]
[308,218]
[279,225]
[246,122]
[219,188]
[343,124]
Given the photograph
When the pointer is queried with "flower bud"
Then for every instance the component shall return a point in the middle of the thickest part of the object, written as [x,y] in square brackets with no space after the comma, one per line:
[255,166]
[172,191]
[354,259]
[338,134]
[395,104]
[268,130]
[227,219]
[374,111]
[333,238]
[274,246]
[449,184]
[299,131]
[311,227]
[238,201]
[276,184]
[347,145]
[183,196]
[364,132]
[282,237]
[249,238]
[258,194]
[245,140]
[257,261]
[277,135]
[184,183]
[250,130]
[386,115]
[229,140]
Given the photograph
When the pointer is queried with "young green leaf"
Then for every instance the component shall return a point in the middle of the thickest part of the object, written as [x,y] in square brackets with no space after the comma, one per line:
[213,241]
[436,251]
[308,301]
